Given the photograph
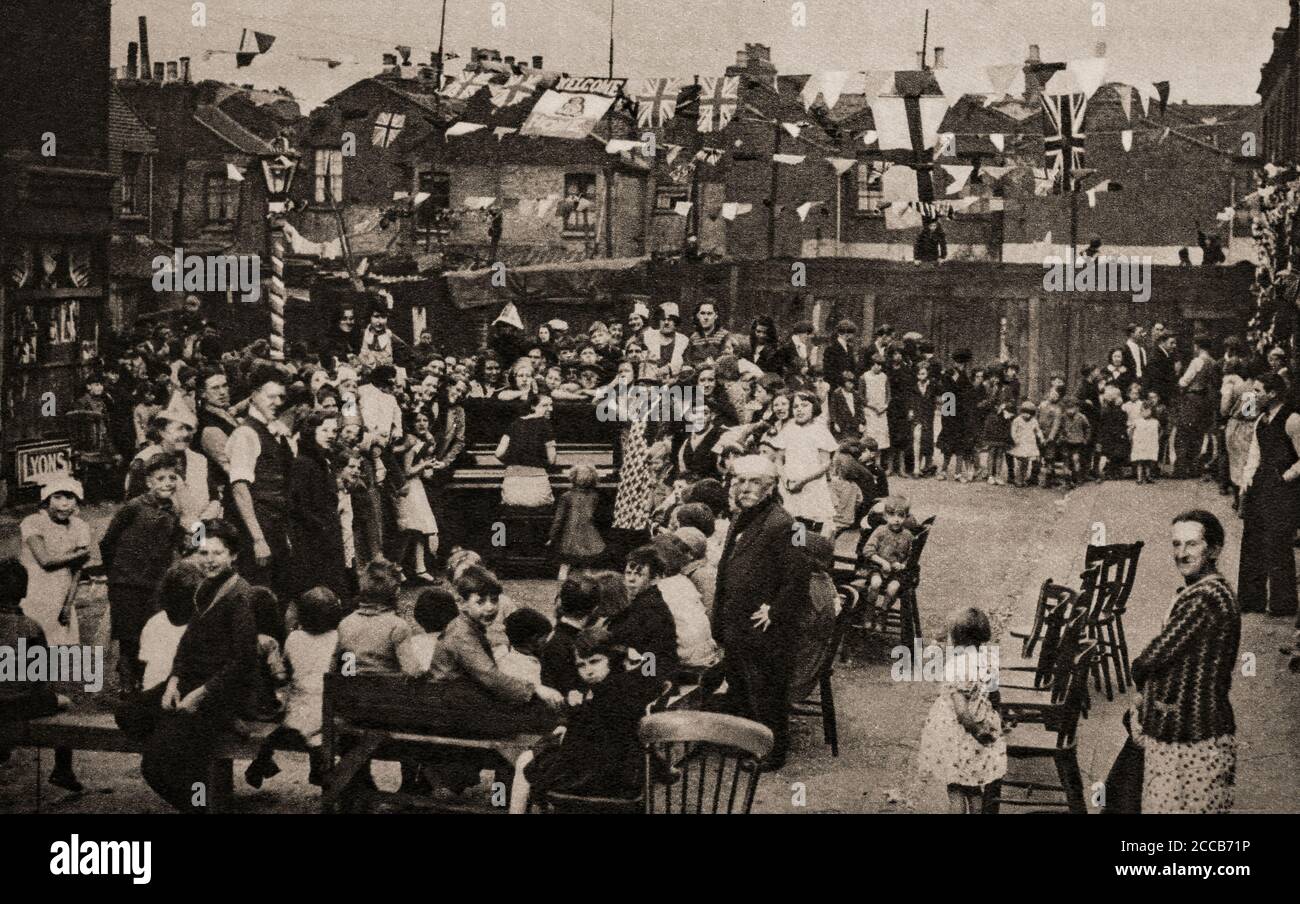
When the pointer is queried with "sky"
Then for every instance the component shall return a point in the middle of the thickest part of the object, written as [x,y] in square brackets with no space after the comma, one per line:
[1209,50]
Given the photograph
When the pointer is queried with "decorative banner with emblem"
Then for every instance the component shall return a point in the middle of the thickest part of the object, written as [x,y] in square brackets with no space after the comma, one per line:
[572,108]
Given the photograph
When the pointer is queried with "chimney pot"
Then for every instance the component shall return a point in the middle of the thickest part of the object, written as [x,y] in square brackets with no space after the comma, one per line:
[185,69]
[537,62]
[144,48]
[509,61]
[1034,55]
[390,59]
[938,58]
[173,71]
[159,72]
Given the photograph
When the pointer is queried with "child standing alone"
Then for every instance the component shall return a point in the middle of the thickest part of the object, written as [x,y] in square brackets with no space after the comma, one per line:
[1144,437]
[574,539]
[962,743]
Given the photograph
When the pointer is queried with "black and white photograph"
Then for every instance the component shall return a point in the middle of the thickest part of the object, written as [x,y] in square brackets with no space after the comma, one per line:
[617,407]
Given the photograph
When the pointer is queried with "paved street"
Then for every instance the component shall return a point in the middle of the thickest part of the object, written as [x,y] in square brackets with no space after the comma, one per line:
[992,547]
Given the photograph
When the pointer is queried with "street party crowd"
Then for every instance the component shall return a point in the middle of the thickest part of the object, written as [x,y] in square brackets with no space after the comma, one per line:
[273,507]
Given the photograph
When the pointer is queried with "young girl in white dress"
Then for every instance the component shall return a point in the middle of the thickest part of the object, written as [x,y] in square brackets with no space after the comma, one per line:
[875,391]
[414,514]
[805,446]
[1144,439]
[962,743]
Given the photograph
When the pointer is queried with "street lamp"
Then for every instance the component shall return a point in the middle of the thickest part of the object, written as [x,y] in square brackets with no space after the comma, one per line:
[278,173]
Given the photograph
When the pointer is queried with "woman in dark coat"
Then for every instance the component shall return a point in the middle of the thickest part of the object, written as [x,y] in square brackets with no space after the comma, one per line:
[958,420]
[315,532]
[212,676]
[765,346]
[900,428]
[922,397]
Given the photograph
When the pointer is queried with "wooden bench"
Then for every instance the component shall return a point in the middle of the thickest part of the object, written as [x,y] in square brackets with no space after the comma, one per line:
[98,732]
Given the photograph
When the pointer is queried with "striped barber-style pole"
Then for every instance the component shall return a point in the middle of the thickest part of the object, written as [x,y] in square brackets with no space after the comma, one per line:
[276,295]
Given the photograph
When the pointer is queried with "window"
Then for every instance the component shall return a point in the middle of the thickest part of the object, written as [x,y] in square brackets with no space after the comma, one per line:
[387,127]
[329,166]
[667,197]
[579,204]
[869,186]
[135,198]
[431,214]
[221,195]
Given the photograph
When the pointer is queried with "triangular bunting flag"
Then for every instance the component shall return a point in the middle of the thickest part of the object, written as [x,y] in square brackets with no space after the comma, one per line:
[1088,73]
[464,128]
[733,209]
[789,159]
[999,141]
[828,85]
[1126,139]
[264,41]
[502,131]
[1125,100]
[1162,91]
[233,173]
[960,174]
[682,208]
[792,128]
[804,209]
[841,165]
[510,314]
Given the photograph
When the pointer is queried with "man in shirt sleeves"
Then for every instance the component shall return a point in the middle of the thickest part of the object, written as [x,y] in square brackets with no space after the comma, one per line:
[1267,580]
[261,453]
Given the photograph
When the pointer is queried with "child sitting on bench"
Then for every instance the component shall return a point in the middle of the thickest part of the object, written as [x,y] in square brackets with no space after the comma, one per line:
[527,631]
[597,753]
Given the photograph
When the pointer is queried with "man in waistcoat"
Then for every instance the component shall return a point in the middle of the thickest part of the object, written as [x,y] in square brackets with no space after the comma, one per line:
[1267,580]
[261,453]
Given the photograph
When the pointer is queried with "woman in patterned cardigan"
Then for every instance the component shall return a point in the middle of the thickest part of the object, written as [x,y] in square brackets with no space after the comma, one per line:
[1185,721]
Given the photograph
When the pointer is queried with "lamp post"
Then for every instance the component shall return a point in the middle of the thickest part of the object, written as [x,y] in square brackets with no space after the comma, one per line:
[278,172]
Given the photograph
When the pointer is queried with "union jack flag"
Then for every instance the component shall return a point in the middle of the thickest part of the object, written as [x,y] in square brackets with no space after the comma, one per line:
[466,86]
[656,101]
[1063,131]
[516,89]
[719,98]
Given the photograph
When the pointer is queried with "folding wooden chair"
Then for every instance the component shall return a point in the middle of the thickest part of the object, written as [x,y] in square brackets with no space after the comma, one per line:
[1047,730]
[822,702]
[1118,563]
[698,762]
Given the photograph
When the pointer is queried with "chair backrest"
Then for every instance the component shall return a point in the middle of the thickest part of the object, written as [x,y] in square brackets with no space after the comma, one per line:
[1055,603]
[913,568]
[698,762]
[1118,563]
[87,431]
[1073,700]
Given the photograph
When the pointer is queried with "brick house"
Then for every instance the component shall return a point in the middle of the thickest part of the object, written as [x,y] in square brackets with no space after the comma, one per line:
[56,205]
[1279,92]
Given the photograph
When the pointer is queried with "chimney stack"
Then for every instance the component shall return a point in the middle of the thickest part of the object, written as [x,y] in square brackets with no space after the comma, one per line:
[185,69]
[390,59]
[173,71]
[159,72]
[144,48]
[938,58]
[1034,55]
[132,60]
[510,61]
[537,62]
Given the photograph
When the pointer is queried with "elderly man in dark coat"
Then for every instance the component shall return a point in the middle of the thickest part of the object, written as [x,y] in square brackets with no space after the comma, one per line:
[761,596]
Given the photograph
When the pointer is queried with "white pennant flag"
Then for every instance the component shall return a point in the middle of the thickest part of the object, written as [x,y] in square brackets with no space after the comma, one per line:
[1126,139]
[830,85]
[999,141]
[1088,73]
[960,174]
[789,159]
[793,129]
[420,198]
[733,209]
[620,145]
[502,131]
[233,173]
[464,128]
[1125,100]
[510,314]
[682,208]
[841,165]
[804,209]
